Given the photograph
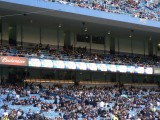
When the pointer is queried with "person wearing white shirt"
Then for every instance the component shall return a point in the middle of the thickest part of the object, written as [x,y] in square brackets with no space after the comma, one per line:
[28,92]
[158,103]
[19,113]
[17,97]
[5,113]
[101,104]
[14,92]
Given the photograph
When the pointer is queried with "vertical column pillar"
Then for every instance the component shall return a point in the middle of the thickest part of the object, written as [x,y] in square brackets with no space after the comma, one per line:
[118,44]
[74,41]
[131,45]
[70,39]
[118,79]
[5,32]
[106,44]
[113,77]
[58,39]
[150,47]
[107,77]
[1,29]
[144,47]
[21,35]
[90,76]
[40,35]
[90,44]
[112,45]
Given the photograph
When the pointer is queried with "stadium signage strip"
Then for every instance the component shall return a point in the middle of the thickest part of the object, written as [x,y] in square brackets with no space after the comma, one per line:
[9,60]
[157,71]
[59,64]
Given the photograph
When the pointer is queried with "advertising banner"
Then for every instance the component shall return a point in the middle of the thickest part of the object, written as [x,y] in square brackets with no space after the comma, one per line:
[131,69]
[58,64]
[34,62]
[148,70]
[157,71]
[122,68]
[91,66]
[139,70]
[10,60]
[101,67]
[112,67]
[70,65]
[81,66]
[47,63]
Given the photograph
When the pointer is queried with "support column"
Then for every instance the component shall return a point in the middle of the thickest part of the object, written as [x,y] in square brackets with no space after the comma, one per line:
[5,32]
[113,77]
[21,35]
[90,44]
[112,45]
[150,47]
[118,80]
[106,45]
[1,30]
[131,45]
[58,39]
[69,39]
[144,47]
[90,76]
[40,35]
[74,43]
[118,44]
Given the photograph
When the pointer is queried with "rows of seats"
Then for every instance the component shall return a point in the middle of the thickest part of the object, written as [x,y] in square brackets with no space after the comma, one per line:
[72,101]
[145,9]
[79,55]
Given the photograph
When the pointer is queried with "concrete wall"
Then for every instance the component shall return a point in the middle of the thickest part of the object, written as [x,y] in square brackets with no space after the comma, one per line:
[31,34]
[5,31]
[130,45]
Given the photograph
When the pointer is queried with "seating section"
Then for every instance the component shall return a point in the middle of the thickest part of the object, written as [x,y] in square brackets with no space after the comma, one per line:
[145,9]
[78,55]
[78,102]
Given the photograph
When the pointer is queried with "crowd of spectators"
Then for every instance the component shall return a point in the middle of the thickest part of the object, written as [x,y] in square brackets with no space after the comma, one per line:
[145,9]
[34,102]
[79,54]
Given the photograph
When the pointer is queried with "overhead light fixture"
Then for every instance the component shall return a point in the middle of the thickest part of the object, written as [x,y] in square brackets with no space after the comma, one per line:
[109,32]
[150,38]
[86,29]
[130,35]
[158,44]
[59,25]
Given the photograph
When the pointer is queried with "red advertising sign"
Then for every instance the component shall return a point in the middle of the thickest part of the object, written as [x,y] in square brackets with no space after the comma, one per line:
[9,60]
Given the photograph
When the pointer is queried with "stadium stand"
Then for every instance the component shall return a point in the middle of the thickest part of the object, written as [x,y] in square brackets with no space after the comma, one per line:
[80,103]
[78,54]
[47,92]
[146,9]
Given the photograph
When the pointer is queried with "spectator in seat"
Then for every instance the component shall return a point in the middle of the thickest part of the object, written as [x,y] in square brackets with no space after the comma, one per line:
[5,116]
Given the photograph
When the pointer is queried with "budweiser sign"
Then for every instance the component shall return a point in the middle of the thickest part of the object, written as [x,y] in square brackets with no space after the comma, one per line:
[9,60]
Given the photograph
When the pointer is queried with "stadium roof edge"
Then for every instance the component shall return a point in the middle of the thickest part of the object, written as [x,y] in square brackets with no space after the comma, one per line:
[53,10]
